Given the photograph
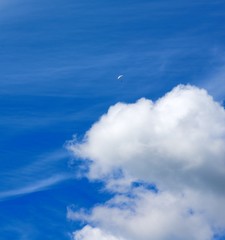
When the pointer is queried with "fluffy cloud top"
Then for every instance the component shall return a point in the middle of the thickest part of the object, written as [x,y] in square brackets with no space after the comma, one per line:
[177,143]
[178,140]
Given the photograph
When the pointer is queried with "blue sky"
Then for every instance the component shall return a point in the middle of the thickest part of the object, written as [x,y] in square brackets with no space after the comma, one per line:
[59,63]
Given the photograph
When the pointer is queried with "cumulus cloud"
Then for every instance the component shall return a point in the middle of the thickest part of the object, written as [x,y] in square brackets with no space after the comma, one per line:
[89,232]
[176,143]
[148,216]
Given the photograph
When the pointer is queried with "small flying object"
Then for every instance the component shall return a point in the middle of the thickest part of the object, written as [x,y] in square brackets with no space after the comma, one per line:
[119,77]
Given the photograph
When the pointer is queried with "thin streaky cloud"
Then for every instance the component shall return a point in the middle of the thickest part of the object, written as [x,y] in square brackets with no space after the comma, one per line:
[45,165]
[35,187]
[215,84]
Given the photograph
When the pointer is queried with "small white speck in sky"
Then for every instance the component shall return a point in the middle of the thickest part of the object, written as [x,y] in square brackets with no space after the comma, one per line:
[119,77]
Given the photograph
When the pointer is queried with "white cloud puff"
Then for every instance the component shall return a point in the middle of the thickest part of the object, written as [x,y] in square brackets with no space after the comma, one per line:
[178,140]
[177,143]
[148,216]
[90,233]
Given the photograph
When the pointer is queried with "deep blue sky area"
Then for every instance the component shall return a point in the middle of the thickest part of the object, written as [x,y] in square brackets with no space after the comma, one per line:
[59,63]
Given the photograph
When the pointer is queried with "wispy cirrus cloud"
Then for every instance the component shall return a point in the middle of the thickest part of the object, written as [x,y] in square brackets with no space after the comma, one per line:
[34,187]
[41,174]
[215,83]
[154,57]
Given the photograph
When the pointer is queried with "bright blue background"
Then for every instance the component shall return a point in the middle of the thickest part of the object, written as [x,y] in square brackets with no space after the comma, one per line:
[59,62]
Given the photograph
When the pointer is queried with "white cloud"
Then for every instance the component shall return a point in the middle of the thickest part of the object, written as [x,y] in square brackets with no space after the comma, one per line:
[89,232]
[179,140]
[215,83]
[148,216]
[41,174]
[177,143]
[34,187]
